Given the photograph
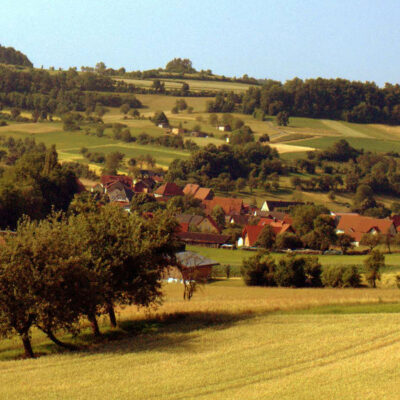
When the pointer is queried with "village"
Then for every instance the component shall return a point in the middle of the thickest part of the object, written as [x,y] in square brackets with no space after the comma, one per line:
[208,228]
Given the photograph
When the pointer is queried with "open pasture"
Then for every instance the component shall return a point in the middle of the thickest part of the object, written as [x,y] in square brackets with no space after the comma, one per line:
[195,85]
[229,342]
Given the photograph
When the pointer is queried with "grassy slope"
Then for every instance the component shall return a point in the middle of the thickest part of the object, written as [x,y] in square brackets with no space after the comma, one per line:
[227,344]
[301,132]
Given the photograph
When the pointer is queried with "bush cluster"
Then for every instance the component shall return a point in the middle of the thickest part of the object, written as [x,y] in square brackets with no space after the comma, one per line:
[290,271]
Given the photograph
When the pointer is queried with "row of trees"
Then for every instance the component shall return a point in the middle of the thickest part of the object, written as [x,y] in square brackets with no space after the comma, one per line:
[326,98]
[63,268]
[298,271]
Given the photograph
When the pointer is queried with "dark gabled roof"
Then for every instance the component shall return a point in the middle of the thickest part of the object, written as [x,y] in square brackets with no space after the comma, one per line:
[107,180]
[189,259]
[207,238]
[240,219]
[115,191]
[272,204]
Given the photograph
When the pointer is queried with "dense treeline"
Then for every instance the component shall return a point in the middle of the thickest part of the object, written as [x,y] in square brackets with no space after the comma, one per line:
[219,166]
[61,92]
[326,98]
[8,55]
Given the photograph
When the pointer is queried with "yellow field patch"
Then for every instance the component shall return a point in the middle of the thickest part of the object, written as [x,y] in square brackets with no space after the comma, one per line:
[289,148]
[31,127]
[250,356]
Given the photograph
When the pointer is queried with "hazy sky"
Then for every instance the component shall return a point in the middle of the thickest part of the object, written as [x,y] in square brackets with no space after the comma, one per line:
[277,39]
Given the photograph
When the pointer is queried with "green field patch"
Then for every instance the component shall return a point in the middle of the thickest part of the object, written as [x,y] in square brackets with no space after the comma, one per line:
[374,145]
[163,155]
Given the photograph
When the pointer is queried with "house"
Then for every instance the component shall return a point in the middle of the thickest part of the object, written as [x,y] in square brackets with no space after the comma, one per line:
[230,205]
[192,266]
[147,173]
[203,239]
[144,186]
[277,226]
[178,131]
[198,223]
[118,192]
[357,226]
[107,180]
[271,205]
[250,235]
[240,220]
[224,128]
[163,125]
[192,189]
[168,190]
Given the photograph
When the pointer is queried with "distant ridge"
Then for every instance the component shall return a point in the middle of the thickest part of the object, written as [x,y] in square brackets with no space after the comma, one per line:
[8,55]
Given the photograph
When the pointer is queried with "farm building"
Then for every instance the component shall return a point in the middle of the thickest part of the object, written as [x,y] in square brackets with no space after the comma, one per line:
[203,239]
[198,222]
[169,189]
[192,189]
[192,266]
[230,205]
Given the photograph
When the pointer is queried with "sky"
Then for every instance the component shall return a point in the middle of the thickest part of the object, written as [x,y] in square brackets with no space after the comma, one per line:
[275,39]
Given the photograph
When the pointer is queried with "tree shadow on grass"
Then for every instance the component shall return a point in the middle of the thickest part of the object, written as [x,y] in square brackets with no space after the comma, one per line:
[169,332]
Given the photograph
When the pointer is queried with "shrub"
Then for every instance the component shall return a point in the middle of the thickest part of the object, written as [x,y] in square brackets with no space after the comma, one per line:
[259,270]
[312,270]
[288,240]
[293,271]
[290,272]
[341,276]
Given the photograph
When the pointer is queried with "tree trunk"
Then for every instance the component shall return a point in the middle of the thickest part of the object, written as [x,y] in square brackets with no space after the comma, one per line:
[58,342]
[111,313]
[27,345]
[93,323]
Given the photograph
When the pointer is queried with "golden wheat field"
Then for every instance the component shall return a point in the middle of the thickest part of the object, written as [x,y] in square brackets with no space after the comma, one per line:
[227,343]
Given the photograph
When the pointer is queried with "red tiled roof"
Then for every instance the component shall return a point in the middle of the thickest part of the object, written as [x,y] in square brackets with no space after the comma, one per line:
[191,189]
[107,180]
[253,232]
[357,225]
[265,221]
[169,189]
[228,204]
[184,227]
[203,193]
